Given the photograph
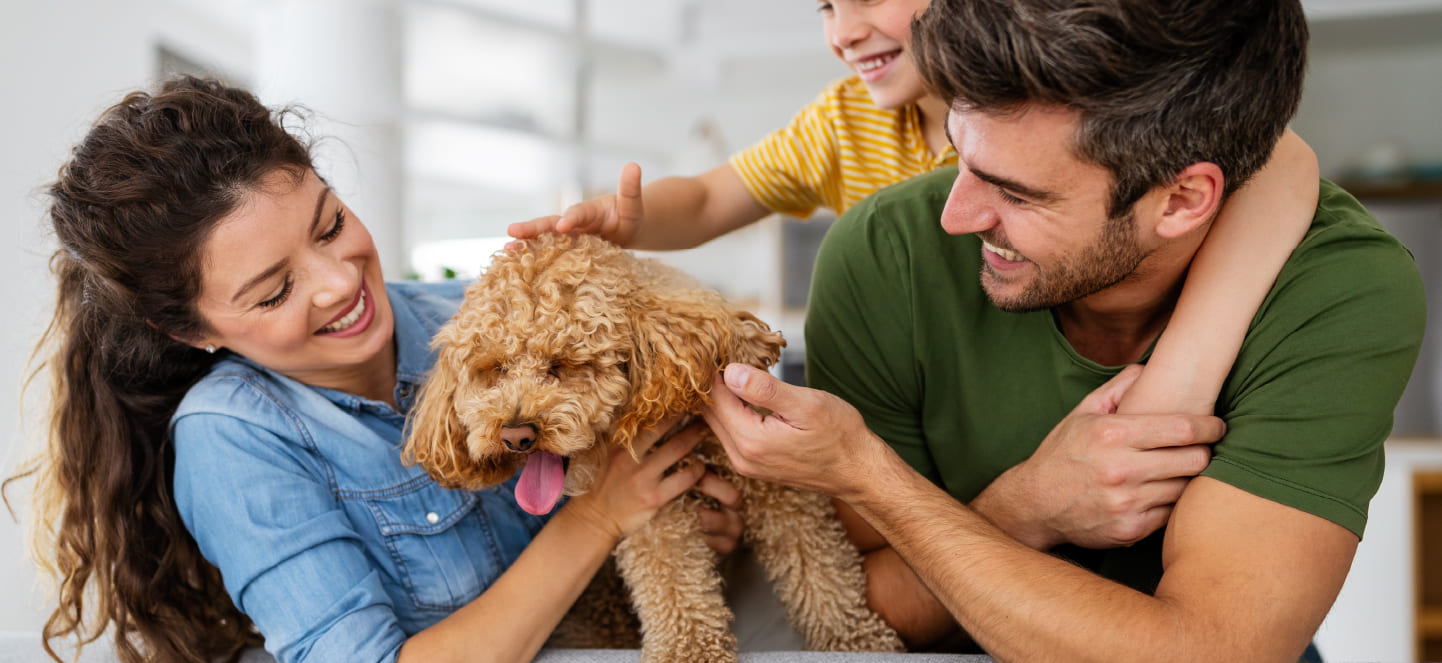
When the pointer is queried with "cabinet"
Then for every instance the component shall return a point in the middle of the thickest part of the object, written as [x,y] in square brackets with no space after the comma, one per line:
[1427,510]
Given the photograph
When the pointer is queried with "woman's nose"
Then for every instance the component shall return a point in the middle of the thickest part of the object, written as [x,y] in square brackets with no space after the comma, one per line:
[336,281]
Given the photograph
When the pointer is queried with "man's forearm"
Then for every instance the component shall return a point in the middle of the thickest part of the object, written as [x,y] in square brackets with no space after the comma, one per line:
[1016,602]
[899,597]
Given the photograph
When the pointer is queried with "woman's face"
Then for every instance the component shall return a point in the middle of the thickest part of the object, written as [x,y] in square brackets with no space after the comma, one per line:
[291,280]
[873,38]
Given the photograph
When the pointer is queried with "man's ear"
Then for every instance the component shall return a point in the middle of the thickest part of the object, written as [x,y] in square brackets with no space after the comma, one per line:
[1191,200]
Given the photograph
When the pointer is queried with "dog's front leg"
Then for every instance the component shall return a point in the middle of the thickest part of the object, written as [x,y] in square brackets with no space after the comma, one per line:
[816,569]
[676,589]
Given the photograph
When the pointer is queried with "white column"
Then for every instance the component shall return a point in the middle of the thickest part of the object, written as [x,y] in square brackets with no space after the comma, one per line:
[343,60]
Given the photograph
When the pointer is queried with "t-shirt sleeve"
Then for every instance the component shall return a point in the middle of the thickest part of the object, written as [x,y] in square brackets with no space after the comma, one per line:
[1311,397]
[858,343]
[289,557]
[796,169]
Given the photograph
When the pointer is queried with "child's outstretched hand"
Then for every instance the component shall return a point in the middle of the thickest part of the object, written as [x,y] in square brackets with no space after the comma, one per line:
[612,216]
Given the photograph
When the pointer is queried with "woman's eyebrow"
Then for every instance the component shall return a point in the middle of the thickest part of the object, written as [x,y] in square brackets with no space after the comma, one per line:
[279,266]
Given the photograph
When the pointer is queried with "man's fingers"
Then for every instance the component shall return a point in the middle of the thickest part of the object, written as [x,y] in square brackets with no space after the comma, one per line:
[762,389]
[628,192]
[1106,398]
[1154,431]
[1164,493]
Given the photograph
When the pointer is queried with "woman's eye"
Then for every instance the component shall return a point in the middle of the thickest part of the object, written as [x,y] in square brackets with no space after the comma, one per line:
[281,296]
[336,227]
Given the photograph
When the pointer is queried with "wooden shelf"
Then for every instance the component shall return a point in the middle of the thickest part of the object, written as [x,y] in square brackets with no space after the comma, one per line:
[1407,191]
[1429,622]
[1427,524]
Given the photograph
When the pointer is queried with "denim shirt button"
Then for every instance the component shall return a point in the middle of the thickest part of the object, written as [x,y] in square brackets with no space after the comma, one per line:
[433,517]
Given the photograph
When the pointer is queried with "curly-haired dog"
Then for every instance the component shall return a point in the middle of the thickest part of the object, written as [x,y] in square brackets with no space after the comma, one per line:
[569,346]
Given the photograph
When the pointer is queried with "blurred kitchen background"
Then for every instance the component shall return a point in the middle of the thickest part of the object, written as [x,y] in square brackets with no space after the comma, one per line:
[449,119]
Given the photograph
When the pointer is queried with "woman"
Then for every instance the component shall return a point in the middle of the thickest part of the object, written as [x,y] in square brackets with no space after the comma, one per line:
[231,377]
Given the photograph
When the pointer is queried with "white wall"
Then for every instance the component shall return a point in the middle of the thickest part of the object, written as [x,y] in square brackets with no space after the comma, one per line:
[1372,619]
[1370,82]
[65,61]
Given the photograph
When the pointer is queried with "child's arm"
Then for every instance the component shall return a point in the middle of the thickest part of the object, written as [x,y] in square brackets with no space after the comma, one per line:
[678,213]
[1232,273]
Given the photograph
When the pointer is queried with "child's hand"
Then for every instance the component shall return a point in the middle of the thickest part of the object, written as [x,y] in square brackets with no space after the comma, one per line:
[628,493]
[612,216]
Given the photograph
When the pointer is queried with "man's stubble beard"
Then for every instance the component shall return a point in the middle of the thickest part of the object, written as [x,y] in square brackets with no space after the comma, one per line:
[1106,262]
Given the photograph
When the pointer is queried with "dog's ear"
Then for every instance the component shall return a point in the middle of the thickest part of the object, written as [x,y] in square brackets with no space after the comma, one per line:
[681,339]
[435,436]
[754,342]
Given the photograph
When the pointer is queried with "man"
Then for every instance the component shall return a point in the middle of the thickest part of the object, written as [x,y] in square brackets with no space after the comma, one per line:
[1096,142]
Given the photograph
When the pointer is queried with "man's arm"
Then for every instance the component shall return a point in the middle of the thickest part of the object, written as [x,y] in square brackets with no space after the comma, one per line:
[1244,578]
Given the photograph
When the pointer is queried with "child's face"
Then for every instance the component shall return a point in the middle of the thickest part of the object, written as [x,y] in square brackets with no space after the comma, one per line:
[873,37]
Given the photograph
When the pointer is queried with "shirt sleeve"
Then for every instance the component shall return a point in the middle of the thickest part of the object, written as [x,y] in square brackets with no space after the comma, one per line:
[795,169]
[1311,399]
[859,344]
[288,554]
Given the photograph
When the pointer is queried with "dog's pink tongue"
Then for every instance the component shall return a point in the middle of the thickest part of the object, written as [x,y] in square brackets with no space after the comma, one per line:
[540,484]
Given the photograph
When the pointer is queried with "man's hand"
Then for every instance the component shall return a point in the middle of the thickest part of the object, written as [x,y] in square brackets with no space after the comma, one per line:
[1099,479]
[612,216]
[809,439]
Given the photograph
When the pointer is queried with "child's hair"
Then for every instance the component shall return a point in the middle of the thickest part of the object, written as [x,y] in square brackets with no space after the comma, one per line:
[131,210]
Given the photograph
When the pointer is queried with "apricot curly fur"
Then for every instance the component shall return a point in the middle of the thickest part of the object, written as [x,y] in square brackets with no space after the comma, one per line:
[589,345]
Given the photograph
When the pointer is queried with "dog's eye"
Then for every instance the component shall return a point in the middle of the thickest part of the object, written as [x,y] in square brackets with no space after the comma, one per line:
[555,369]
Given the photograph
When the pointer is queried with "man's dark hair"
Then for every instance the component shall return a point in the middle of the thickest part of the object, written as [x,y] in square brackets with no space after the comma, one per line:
[1159,84]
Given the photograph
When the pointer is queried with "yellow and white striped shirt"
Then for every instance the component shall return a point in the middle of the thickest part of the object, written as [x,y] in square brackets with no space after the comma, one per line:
[838,150]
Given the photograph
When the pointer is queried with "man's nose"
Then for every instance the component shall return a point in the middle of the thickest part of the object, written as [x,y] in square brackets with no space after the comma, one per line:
[967,208]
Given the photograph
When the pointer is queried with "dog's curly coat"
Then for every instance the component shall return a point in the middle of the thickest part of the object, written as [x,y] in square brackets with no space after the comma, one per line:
[568,347]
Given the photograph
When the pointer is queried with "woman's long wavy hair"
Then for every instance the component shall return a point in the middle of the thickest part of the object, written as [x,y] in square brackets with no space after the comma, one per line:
[131,209]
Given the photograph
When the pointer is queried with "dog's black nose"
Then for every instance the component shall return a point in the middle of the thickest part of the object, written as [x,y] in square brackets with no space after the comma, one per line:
[519,438]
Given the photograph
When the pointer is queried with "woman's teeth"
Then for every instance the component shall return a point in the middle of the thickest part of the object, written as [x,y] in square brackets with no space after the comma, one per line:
[349,319]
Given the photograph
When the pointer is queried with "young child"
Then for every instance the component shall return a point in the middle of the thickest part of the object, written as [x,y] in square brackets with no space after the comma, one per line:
[881,125]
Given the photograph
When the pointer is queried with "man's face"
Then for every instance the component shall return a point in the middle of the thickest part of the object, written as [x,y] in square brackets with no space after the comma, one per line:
[1040,212]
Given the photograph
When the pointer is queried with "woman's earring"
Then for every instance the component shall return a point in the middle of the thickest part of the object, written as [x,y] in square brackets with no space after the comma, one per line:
[210,348]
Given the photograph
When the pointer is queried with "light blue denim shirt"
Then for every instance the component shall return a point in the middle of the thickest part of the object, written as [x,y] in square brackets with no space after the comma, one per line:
[336,550]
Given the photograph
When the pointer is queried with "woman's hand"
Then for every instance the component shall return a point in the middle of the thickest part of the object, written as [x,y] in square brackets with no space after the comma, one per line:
[629,492]
[722,526]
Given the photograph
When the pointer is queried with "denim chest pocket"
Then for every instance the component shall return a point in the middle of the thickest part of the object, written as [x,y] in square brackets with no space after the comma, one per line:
[442,558]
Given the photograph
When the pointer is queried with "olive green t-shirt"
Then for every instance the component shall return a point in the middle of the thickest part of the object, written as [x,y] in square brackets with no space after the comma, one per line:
[899,326]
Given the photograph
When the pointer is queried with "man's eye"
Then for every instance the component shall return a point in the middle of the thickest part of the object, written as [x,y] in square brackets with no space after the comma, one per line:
[1010,199]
